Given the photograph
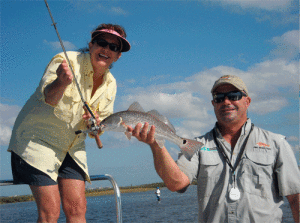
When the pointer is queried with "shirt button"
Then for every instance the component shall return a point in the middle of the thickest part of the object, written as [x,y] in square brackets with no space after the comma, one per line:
[90,85]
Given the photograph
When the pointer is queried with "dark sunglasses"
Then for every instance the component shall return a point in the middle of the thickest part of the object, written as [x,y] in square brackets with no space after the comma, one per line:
[232,96]
[104,43]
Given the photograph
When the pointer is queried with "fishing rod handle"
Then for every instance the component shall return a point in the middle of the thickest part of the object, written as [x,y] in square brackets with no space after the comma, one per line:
[98,141]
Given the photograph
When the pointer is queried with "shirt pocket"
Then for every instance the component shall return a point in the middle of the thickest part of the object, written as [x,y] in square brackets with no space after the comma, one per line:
[69,103]
[257,172]
[210,170]
[102,104]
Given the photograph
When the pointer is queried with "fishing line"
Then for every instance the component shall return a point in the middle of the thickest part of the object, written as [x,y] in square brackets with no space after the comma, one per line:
[93,122]
[62,46]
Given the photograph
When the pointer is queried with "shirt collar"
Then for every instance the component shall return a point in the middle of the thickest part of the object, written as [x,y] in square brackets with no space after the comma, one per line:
[245,128]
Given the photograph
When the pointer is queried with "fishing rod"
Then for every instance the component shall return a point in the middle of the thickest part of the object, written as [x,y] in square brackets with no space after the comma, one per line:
[92,121]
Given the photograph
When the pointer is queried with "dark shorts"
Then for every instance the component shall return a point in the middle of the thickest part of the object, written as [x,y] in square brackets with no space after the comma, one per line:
[23,173]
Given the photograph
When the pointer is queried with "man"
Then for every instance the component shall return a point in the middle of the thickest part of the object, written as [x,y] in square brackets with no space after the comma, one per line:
[242,171]
[157,192]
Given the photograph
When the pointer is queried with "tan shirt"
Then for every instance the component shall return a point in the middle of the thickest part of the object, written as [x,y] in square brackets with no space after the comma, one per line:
[44,134]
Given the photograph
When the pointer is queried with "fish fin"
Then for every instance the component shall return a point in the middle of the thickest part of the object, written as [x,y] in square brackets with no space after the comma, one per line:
[189,147]
[135,106]
[128,135]
[160,142]
[162,118]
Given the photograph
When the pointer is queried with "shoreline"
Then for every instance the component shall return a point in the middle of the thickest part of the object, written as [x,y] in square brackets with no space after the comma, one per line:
[122,190]
[88,193]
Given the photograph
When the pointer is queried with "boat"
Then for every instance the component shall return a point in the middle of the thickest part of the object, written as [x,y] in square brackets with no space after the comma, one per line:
[117,192]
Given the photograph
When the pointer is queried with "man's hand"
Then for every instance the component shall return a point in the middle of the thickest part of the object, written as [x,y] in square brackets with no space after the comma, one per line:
[142,134]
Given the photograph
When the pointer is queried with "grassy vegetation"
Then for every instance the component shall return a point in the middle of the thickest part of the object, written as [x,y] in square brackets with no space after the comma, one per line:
[89,192]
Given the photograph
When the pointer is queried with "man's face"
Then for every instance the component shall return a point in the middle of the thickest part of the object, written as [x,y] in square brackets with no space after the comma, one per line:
[230,111]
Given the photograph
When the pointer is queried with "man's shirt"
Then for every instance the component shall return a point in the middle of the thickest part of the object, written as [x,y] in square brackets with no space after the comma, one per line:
[266,172]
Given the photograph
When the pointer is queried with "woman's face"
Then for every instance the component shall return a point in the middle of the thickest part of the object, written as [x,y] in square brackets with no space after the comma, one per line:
[103,57]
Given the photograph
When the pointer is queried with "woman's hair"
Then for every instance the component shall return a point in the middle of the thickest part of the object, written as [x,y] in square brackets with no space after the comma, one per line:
[116,28]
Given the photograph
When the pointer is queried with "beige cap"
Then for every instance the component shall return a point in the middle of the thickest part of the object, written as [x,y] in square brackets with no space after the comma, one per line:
[230,79]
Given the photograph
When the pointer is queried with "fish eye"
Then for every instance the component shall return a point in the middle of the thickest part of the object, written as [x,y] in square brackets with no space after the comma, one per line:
[184,141]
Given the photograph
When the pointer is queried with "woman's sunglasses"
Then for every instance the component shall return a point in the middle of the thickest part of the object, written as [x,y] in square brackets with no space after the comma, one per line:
[103,43]
[232,96]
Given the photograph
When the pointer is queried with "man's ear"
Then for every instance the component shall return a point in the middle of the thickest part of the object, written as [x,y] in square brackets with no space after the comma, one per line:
[213,103]
[248,101]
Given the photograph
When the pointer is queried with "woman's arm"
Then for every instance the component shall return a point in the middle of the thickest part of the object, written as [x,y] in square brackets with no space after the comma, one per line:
[54,91]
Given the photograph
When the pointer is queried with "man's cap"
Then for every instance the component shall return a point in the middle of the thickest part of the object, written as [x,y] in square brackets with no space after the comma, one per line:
[230,79]
[125,45]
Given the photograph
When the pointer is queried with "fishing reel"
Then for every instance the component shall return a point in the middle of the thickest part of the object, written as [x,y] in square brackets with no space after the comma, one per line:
[92,130]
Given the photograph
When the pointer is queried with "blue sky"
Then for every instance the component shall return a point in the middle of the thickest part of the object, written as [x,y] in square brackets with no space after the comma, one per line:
[179,48]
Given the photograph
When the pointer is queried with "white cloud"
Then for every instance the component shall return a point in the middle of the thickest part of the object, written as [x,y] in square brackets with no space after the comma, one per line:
[56,45]
[269,5]
[8,115]
[287,45]
[118,11]
[188,103]
[93,7]
[174,152]
[277,12]
[267,106]
[292,139]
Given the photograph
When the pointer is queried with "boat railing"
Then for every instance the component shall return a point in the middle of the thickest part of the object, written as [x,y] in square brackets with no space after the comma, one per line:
[117,192]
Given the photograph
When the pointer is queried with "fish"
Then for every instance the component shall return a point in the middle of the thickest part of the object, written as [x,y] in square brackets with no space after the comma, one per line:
[164,130]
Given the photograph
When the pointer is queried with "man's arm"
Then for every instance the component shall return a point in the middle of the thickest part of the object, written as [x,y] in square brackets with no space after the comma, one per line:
[164,164]
[294,203]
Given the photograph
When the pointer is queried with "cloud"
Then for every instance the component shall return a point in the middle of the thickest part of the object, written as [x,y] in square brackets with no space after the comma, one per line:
[287,45]
[93,7]
[118,11]
[270,5]
[292,139]
[8,115]
[56,45]
[277,12]
[188,103]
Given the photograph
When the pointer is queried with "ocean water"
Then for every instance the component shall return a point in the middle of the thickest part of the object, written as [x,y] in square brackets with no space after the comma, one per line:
[136,207]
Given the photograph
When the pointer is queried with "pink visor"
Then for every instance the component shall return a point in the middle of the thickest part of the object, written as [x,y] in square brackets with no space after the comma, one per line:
[125,45]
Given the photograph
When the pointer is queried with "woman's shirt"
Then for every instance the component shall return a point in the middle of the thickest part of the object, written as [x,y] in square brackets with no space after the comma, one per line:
[44,134]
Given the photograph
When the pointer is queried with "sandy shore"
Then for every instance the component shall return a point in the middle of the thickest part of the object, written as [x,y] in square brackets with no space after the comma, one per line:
[88,193]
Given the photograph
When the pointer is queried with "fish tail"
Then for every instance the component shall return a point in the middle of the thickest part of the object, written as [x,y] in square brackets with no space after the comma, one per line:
[189,147]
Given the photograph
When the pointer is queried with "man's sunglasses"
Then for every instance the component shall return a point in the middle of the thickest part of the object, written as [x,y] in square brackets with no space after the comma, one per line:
[103,43]
[232,96]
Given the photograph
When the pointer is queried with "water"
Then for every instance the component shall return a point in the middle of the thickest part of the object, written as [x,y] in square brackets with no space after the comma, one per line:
[136,207]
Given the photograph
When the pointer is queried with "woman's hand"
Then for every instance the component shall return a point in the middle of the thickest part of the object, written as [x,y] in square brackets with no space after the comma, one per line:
[54,91]
[64,74]
[87,115]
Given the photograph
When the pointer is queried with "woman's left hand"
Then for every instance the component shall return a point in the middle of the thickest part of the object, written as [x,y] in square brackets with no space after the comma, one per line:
[86,116]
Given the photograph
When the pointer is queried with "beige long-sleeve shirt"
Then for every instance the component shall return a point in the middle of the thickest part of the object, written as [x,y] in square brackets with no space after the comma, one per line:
[44,134]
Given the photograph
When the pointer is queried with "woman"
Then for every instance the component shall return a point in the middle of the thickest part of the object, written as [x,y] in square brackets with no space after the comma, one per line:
[46,153]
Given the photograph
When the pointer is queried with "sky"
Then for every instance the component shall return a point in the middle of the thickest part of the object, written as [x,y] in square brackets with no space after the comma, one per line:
[179,48]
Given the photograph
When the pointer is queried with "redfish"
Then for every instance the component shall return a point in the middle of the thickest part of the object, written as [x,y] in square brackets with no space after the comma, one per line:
[164,130]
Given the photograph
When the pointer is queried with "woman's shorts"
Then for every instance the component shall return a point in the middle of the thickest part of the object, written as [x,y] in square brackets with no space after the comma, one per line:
[23,173]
